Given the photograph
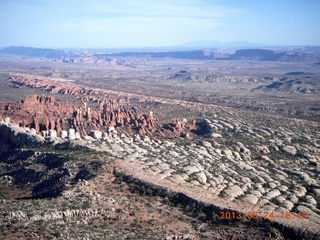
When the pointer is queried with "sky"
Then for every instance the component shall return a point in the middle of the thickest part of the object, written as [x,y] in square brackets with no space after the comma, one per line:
[156,23]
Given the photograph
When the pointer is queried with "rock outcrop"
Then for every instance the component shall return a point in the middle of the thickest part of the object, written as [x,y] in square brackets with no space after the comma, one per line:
[62,87]
[179,128]
[12,135]
[112,111]
[50,117]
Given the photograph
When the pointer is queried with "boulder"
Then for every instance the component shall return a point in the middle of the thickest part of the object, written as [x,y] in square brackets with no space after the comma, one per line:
[234,191]
[77,136]
[289,149]
[96,134]
[71,134]
[52,133]
[202,178]
[206,144]
[64,134]
[215,135]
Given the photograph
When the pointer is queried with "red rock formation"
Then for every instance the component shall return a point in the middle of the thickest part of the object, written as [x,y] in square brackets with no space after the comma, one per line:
[45,113]
[85,93]
[178,128]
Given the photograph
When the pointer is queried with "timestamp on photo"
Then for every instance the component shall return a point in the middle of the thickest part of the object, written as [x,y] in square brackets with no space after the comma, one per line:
[227,215]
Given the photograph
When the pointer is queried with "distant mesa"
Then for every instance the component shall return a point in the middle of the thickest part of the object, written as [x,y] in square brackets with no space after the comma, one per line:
[199,54]
[258,54]
[272,55]
[242,54]
[34,52]
[217,44]
[298,73]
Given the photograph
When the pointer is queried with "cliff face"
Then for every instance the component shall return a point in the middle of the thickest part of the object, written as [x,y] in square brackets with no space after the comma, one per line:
[271,55]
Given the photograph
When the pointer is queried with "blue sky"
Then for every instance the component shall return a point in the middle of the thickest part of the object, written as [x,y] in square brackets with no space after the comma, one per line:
[143,23]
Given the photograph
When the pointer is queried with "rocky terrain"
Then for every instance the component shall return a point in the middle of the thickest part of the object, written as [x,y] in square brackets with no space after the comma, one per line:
[239,166]
[50,117]
[192,164]
[292,93]
[66,190]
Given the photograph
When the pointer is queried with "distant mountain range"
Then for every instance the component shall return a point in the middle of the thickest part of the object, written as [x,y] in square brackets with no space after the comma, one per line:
[240,54]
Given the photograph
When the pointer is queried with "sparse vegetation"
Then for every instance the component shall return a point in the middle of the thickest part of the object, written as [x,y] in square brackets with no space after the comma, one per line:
[242,151]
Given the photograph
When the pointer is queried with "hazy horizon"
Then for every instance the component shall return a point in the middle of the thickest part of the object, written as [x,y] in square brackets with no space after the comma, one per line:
[127,24]
[192,45]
